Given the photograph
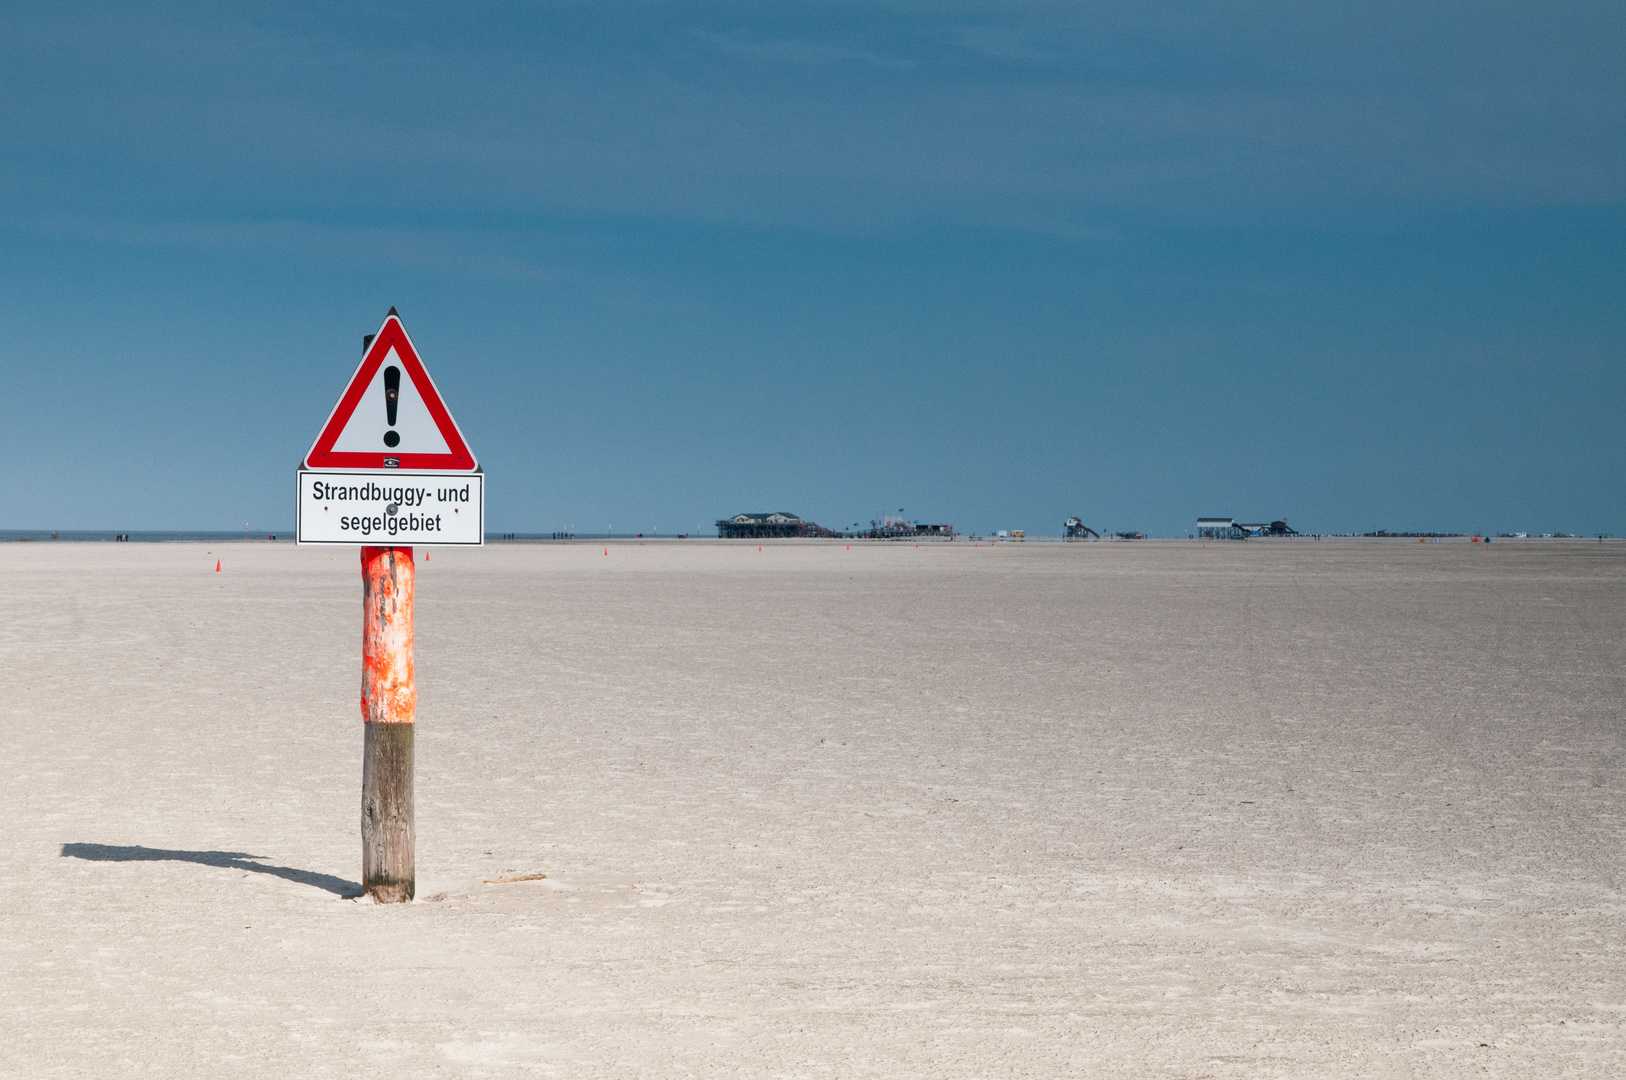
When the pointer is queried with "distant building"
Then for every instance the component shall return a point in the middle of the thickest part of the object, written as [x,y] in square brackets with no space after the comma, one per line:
[1075,529]
[1214,528]
[894,528]
[775,526]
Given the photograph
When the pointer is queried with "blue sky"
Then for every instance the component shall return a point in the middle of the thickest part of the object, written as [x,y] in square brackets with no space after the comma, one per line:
[993,264]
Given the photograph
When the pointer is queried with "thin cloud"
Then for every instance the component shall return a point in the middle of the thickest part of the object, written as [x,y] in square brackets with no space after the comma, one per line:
[800,53]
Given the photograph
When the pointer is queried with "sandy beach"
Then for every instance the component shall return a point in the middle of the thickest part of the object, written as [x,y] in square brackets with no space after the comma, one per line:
[1296,809]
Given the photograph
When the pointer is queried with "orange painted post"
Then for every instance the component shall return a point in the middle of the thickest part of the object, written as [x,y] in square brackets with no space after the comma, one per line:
[389,705]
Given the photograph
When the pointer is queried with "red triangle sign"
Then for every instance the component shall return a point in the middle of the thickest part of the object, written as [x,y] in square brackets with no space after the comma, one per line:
[391,416]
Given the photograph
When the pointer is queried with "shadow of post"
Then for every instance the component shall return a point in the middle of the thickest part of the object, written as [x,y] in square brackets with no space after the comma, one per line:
[230,860]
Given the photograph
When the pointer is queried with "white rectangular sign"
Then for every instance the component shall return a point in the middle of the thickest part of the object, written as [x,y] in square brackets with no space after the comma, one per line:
[391,508]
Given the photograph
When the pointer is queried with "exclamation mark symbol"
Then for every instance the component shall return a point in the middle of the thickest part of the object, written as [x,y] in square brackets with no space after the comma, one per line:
[392,398]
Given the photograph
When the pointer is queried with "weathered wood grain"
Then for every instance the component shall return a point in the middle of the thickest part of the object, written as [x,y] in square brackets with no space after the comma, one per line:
[388,873]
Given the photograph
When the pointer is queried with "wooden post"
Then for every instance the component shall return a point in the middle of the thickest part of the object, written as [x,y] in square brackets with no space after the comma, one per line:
[389,705]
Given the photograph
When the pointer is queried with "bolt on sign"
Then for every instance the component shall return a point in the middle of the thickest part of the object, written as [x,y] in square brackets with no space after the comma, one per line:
[390,466]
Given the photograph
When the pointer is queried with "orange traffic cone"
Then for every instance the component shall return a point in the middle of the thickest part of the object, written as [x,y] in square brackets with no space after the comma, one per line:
[606,551]
[217,566]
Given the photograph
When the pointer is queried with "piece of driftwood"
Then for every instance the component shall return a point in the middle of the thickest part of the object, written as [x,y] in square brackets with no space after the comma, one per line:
[511,880]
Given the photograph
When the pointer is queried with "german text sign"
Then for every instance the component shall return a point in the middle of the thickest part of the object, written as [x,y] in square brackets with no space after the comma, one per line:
[395,509]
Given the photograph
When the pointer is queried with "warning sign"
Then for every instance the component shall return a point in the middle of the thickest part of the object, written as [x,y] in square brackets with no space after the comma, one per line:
[391,416]
[390,466]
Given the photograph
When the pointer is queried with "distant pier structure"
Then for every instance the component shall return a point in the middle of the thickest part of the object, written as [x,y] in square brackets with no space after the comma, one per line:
[776,526]
[897,528]
[1218,528]
[1075,529]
